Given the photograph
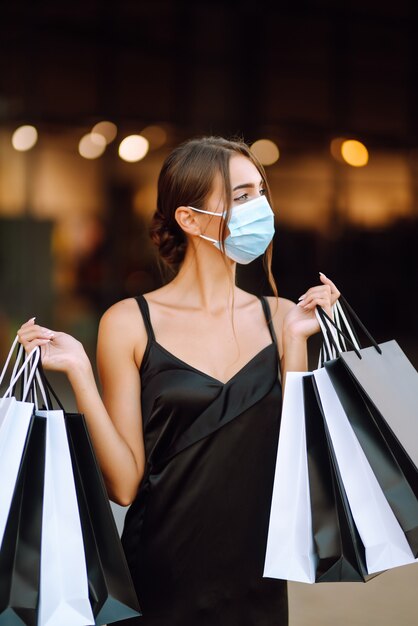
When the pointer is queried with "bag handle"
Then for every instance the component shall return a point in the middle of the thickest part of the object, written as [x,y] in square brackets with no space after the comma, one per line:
[46,386]
[40,384]
[327,351]
[33,359]
[28,370]
[16,372]
[334,340]
[327,324]
[9,356]
[342,322]
[342,317]
[328,328]
[356,318]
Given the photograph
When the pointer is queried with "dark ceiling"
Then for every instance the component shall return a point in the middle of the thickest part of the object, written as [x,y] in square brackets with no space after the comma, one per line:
[300,70]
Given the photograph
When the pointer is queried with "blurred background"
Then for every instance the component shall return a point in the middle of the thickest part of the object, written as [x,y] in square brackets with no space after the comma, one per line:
[95,94]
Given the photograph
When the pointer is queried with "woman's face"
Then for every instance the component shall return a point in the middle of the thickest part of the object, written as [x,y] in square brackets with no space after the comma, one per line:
[246,184]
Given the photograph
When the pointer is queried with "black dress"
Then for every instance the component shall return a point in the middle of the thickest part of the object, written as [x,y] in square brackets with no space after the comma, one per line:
[196,534]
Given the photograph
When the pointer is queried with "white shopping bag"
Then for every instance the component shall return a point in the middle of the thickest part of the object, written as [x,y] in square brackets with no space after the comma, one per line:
[64,595]
[15,420]
[290,547]
[384,541]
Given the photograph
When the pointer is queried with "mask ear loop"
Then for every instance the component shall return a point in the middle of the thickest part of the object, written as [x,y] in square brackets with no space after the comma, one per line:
[207,212]
[215,241]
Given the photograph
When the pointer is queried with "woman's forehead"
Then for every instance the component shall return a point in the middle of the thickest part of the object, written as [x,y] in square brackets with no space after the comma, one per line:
[242,170]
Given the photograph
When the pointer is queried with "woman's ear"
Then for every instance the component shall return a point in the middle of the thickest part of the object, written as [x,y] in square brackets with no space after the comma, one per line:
[187,221]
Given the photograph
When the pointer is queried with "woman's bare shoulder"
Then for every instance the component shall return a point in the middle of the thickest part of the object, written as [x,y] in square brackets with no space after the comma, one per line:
[122,331]
[121,313]
[279,307]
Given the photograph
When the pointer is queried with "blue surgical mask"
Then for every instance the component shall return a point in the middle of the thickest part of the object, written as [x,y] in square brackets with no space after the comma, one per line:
[251,228]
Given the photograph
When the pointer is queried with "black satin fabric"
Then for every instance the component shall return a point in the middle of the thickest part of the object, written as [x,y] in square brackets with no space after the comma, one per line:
[196,534]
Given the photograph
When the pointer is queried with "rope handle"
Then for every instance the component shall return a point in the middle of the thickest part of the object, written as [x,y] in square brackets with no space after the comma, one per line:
[350,311]
[29,371]
[342,322]
[31,359]
[328,328]
[47,387]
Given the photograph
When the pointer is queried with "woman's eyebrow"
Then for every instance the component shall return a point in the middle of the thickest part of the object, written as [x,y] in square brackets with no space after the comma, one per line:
[246,186]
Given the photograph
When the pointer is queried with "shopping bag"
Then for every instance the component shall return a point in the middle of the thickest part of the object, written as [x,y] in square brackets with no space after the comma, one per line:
[22,446]
[383,539]
[112,594]
[388,379]
[340,552]
[64,596]
[393,468]
[21,547]
[385,447]
[362,479]
[15,420]
[290,548]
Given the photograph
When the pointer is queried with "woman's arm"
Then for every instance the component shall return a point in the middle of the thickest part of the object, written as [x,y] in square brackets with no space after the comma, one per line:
[115,424]
[295,323]
[293,352]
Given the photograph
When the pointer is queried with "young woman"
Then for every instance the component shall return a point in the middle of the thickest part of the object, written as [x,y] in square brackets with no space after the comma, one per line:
[191,377]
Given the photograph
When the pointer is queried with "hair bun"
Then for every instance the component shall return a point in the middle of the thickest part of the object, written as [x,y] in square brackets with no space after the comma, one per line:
[169,239]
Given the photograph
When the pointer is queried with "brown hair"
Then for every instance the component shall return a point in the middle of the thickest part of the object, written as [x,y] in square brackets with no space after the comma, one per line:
[186,179]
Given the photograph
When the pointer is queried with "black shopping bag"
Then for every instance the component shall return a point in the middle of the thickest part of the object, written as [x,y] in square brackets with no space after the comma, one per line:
[386,376]
[20,552]
[378,388]
[112,594]
[339,550]
[393,468]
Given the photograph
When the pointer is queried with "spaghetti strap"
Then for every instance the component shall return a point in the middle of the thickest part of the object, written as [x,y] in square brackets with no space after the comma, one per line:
[144,308]
[267,313]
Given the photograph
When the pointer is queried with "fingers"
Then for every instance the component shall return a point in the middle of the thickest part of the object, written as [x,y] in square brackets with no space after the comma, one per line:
[324,295]
[30,322]
[313,301]
[335,293]
[316,296]
[31,335]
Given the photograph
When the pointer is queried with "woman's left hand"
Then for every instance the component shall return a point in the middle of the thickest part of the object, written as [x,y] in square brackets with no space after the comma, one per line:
[300,321]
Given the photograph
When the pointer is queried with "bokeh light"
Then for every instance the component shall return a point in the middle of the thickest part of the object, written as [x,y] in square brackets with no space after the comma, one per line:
[92,146]
[335,148]
[133,148]
[266,151]
[107,129]
[354,153]
[156,136]
[24,138]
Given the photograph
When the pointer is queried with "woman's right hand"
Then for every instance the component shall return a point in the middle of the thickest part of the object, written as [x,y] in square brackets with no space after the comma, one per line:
[59,351]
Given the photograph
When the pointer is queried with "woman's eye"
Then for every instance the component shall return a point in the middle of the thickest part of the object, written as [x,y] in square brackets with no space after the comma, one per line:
[241,198]
[246,196]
